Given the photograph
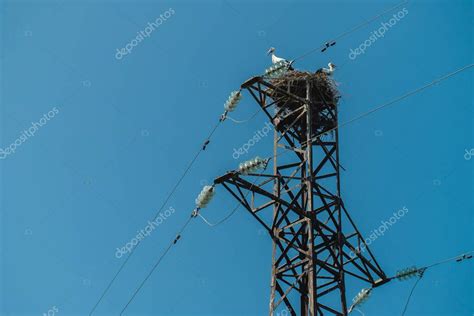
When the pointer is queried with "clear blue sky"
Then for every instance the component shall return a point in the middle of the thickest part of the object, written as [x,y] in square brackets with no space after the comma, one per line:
[125,129]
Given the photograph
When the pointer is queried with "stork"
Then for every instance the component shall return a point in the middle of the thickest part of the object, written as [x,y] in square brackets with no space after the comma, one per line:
[331,69]
[276,59]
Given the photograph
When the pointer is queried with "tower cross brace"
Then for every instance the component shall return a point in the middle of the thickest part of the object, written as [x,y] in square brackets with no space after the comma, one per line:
[316,245]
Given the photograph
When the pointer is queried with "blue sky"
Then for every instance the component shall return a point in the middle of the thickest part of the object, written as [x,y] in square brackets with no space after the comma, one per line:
[124,130]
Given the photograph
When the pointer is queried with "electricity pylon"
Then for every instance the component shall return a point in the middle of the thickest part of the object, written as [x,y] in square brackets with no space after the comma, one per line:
[316,245]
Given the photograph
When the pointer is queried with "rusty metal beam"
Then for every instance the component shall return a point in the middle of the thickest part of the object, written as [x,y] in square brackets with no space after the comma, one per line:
[299,203]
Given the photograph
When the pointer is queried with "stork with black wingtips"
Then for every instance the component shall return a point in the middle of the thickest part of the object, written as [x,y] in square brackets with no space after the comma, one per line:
[276,59]
[330,70]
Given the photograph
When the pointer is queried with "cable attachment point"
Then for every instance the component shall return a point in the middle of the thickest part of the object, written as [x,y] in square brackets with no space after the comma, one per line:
[223,116]
[464,257]
[195,212]
[205,144]
[176,239]
[327,45]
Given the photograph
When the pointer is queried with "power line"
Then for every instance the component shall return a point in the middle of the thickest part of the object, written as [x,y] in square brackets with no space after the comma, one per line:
[370,20]
[238,204]
[384,105]
[421,271]
[400,98]
[285,151]
[464,256]
[220,121]
[222,220]
[243,121]
[228,216]
[178,236]
[357,27]
[234,209]
[411,293]
[163,255]
[414,272]
[157,214]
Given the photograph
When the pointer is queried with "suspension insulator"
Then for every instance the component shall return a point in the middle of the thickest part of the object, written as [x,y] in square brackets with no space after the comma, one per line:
[408,273]
[361,297]
[232,101]
[278,69]
[252,165]
[205,196]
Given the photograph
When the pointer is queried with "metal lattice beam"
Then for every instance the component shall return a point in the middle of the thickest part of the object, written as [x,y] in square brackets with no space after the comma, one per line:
[300,205]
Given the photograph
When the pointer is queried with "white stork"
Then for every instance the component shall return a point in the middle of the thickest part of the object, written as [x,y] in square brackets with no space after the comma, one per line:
[331,69]
[276,59]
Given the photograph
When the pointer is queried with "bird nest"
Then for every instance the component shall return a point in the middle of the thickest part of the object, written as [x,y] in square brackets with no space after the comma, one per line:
[323,95]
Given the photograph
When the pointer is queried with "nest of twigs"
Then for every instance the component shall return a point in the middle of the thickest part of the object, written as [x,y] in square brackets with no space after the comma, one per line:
[324,98]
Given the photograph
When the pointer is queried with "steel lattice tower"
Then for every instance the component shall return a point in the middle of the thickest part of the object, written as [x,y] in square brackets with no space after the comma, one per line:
[316,245]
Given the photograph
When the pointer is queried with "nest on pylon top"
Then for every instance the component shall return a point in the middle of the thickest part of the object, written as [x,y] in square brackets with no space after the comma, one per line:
[323,94]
